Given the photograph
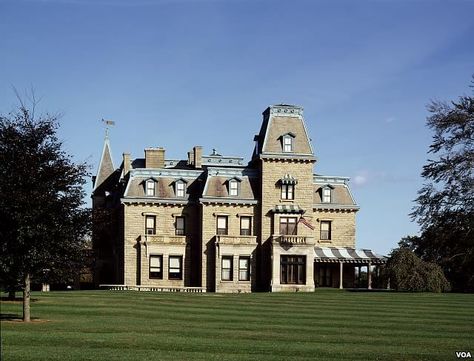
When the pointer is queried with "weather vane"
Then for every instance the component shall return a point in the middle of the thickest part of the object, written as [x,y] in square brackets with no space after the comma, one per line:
[108,124]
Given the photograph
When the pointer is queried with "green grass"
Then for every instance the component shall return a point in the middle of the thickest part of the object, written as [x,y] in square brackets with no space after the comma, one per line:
[327,324]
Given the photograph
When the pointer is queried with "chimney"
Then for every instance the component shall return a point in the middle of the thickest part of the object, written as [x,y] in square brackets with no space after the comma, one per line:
[197,150]
[154,157]
[126,163]
[191,157]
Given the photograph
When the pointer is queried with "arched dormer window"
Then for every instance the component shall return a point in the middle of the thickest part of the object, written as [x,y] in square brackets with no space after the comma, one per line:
[287,141]
[326,193]
[180,188]
[150,187]
[234,187]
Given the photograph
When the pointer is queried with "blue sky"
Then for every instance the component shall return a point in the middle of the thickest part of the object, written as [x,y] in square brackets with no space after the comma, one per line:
[200,72]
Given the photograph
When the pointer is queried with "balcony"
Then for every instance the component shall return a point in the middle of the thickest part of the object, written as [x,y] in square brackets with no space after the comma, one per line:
[225,239]
[160,239]
[293,239]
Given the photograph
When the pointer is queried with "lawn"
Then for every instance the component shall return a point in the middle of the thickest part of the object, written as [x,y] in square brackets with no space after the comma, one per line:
[325,325]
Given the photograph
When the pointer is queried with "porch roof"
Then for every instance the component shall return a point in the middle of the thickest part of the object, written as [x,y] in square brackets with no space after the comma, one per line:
[347,255]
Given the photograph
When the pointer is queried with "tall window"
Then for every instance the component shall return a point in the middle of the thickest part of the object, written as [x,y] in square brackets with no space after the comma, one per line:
[327,195]
[180,189]
[293,269]
[222,225]
[150,187]
[288,225]
[175,268]
[227,267]
[233,188]
[287,143]
[180,226]
[287,191]
[244,268]
[156,266]
[245,226]
[325,230]
[150,224]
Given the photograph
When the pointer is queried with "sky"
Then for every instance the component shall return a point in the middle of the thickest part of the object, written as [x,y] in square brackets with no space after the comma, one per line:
[200,72]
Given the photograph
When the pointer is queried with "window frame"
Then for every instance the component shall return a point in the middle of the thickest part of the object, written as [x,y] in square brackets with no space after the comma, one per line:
[287,223]
[286,194]
[242,230]
[180,231]
[293,269]
[159,274]
[152,229]
[325,236]
[230,269]
[247,269]
[222,231]
[287,140]
[148,188]
[178,190]
[234,188]
[175,275]
[326,192]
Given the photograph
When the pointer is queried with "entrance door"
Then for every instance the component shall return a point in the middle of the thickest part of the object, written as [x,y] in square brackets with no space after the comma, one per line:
[324,276]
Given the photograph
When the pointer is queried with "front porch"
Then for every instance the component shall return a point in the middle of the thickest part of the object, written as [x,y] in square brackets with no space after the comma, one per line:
[341,267]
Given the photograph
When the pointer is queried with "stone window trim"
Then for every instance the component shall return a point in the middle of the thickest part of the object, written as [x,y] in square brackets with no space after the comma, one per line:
[244,268]
[227,268]
[175,267]
[288,142]
[156,266]
[325,230]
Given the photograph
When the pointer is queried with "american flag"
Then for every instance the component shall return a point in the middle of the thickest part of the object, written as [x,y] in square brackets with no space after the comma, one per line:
[306,223]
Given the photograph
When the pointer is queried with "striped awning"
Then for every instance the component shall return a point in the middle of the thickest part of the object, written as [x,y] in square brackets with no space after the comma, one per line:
[288,179]
[347,255]
[287,208]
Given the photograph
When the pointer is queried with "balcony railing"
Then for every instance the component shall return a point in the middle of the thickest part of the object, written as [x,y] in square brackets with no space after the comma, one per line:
[293,239]
[221,239]
[152,238]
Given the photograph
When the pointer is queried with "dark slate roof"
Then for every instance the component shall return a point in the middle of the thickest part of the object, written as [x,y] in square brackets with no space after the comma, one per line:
[106,165]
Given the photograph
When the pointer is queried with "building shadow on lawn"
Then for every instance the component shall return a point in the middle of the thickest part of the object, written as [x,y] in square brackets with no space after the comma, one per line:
[16,299]
[13,317]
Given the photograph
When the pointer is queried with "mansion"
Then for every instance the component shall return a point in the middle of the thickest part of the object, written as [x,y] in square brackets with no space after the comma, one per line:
[214,223]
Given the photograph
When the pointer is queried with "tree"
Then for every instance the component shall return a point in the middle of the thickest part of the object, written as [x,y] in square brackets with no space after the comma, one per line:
[42,220]
[407,272]
[445,203]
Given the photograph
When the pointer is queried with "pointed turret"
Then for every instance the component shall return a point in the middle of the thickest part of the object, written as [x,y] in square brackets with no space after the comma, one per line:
[106,165]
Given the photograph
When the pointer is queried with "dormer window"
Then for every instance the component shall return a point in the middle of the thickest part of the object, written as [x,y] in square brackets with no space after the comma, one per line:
[180,188]
[150,187]
[287,142]
[326,194]
[234,187]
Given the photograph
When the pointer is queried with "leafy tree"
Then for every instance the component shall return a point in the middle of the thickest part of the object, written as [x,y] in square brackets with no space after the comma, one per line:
[445,203]
[407,272]
[42,220]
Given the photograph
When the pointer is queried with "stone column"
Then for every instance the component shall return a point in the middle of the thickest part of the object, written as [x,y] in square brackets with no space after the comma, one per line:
[369,277]
[341,267]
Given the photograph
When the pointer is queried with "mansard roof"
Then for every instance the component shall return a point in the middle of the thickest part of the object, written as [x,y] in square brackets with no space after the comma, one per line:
[341,196]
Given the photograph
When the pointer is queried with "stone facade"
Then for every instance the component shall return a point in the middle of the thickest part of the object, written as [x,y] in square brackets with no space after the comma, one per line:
[215,223]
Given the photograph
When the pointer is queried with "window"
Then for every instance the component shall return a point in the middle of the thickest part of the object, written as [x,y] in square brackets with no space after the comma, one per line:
[244,268]
[287,191]
[287,143]
[233,188]
[327,195]
[245,226]
[222,225]
[180,189]
[227,267]
[150,187]
[180,226]
[175,268]
[150,224]
[325,230]
[287,225]
[156,267]
[293,269]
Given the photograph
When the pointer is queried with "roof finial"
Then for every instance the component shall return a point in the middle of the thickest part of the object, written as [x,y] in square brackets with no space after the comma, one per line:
[108,124]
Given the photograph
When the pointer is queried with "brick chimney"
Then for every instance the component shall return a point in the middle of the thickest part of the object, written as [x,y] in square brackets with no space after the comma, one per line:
[154,157]
[197,150]
[191,157]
